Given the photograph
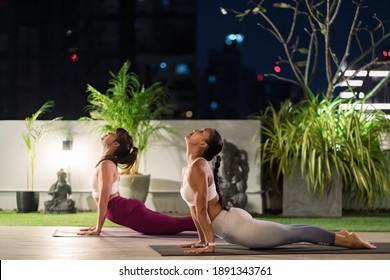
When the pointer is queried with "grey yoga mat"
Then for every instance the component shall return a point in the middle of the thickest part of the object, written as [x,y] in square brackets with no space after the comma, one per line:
[298,248]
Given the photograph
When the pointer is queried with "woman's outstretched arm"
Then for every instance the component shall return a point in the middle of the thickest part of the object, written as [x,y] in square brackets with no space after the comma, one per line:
[106,177]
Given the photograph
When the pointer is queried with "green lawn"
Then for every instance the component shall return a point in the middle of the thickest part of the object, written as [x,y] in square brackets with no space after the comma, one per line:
[83,219]
[352,221]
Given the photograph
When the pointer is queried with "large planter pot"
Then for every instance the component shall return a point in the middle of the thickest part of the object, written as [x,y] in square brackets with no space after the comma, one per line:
[273,194]
[135,186]
[384,141]
[27,201]
[298,201]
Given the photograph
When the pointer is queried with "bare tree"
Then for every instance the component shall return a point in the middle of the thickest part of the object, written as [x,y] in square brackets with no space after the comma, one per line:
[304,47]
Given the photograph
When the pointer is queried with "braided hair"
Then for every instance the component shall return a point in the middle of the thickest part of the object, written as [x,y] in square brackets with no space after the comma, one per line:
[126,154]
[215,145]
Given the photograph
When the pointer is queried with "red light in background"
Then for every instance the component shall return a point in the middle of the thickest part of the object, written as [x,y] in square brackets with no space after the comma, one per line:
[277,69]
[74,57]
[260,77]
[385,53]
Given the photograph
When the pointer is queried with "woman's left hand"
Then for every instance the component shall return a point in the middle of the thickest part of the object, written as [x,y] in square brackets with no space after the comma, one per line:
[192,245]
[208,249]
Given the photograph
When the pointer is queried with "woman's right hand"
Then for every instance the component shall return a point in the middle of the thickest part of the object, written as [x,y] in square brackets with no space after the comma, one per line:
[88,231]
[192,245]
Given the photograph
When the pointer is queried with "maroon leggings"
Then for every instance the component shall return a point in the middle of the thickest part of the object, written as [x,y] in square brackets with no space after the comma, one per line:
[133,214]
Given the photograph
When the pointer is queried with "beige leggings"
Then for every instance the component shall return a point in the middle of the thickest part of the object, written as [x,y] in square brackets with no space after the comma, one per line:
[237,226]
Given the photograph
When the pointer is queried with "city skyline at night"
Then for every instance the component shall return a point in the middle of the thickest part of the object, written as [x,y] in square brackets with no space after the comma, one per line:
[51,51]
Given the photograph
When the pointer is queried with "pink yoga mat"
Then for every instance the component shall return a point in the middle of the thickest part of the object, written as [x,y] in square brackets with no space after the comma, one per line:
[116,232]
[108,232]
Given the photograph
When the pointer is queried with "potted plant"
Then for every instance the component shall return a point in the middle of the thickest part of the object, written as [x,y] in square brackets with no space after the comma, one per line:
[28,201]
[324,148]
[127,103]
[319,135]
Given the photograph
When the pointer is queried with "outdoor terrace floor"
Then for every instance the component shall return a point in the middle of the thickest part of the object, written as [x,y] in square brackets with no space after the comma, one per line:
[37,243]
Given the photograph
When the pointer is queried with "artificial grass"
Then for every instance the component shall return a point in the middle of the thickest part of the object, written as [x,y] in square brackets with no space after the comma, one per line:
[362,222]
[79,219]
[354,222]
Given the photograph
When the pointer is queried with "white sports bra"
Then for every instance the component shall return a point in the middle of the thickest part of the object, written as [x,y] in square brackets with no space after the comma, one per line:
[93,182]
[187,193]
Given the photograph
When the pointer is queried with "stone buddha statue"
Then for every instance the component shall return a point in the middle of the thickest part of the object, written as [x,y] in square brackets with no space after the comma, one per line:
[62,193]
[234,175]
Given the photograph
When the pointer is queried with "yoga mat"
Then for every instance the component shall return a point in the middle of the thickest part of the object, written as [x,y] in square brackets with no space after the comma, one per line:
[299,248]
[70,232]
[118,232]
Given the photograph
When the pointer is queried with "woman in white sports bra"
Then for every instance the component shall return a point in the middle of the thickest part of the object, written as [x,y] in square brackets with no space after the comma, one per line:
[119,151]
[201,192]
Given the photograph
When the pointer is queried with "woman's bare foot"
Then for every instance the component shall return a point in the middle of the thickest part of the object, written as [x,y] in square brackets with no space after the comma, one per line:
[343,232]
[352,240]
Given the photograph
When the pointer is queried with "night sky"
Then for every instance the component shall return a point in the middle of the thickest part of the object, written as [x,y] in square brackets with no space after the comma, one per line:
[260,49]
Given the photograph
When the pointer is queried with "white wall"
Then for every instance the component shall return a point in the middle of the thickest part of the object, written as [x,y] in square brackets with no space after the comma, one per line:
[49,157]
[163,160]
[166,158]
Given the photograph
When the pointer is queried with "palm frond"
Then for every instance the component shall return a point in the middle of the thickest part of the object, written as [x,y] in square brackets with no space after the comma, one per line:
[34,134]
[127,103]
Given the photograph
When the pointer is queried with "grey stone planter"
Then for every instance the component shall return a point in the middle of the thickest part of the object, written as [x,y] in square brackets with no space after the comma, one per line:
[135,186]
[297,201]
